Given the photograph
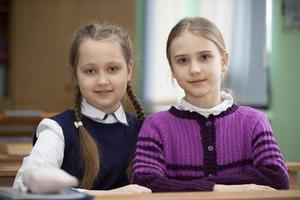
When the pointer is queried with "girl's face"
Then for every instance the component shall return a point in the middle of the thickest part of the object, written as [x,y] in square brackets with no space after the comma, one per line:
[102,73]
[197,65]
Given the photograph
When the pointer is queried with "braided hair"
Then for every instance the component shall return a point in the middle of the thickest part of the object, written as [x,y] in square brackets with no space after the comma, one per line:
[89,152]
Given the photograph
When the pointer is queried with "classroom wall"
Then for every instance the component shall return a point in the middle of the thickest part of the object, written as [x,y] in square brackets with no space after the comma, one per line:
[285,92]
[40,33]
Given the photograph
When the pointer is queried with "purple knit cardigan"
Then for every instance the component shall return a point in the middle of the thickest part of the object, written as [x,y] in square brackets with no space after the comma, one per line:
[184,151]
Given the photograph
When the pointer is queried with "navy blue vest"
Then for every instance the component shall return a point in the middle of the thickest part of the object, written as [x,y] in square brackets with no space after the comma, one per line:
[116,143]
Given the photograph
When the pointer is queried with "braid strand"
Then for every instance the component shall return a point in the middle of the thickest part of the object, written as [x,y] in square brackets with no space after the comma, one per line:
[135,102]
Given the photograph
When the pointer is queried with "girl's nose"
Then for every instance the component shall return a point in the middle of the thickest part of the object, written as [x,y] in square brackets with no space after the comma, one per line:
[195,68]
[102,80]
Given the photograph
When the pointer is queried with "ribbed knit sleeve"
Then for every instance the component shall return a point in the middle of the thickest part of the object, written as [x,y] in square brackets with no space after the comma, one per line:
[268,163]
[163,184]
[149,167]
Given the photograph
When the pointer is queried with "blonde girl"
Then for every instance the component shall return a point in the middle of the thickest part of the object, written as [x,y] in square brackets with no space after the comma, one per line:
[206,142]
[93,143]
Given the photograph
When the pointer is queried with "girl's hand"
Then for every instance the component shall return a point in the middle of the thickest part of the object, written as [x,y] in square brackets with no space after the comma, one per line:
[241,188]
[128,189]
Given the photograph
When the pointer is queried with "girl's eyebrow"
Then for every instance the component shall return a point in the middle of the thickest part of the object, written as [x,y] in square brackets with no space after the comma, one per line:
[199,52]
[113,63]
[94,64]
[205,51]
[87,64]
[180,55]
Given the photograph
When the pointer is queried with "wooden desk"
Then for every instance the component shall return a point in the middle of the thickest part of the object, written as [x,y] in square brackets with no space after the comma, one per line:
[272,195]
[9,166]
[18,126]
[293,168]
[21,125]
[19,148]
[7,174]
[10,159]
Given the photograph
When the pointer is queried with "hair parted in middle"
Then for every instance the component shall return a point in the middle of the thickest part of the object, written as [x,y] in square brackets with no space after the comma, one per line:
[198,26]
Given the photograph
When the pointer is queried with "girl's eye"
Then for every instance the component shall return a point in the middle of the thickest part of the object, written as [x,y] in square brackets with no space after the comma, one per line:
[90,71]
[113,69]
[182,61]
[204,57]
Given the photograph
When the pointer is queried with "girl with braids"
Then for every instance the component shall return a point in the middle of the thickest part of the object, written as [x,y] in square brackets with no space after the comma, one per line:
[206,142]
[94,142]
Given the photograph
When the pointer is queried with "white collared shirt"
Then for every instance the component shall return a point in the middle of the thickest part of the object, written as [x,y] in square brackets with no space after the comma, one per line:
[227,101]
[48,151]
[97,115]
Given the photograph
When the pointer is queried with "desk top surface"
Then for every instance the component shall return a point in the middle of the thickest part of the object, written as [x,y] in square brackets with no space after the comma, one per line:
[9,164]
[8,170]
[293,165]
[272,195]
[10,158]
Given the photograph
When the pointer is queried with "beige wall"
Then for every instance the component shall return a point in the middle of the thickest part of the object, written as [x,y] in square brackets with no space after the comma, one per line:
[40,34]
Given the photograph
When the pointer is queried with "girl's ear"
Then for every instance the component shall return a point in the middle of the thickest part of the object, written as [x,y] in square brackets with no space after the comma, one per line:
[225,62]
[129,70]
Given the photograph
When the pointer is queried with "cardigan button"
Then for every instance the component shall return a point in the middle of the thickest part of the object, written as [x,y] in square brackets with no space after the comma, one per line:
[210,148]
[208,123]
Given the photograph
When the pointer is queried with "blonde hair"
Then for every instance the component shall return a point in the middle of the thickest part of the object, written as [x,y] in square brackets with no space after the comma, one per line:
[199,26]
[89,152]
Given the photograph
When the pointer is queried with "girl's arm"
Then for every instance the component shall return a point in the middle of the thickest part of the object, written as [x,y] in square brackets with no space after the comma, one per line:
[128,189]
[241,188]
[47,152]
[149,164]
[41,169]
[268,163]
[159,183]
[268,175]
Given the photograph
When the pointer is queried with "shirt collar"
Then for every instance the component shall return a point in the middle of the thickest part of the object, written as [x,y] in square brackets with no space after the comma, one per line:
[227,101]
[99,116]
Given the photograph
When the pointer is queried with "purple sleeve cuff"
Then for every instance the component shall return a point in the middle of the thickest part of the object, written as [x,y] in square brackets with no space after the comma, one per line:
[271,175]
[163,184]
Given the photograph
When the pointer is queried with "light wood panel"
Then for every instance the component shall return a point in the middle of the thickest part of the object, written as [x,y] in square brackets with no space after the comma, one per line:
[293,170]
[273,195]
[40,34]
[9,165]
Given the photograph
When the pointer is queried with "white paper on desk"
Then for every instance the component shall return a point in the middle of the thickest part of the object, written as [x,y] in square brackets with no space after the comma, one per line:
[7,193]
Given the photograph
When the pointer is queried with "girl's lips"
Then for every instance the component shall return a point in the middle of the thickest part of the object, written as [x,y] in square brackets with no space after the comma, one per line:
[103,92]
[197,81]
